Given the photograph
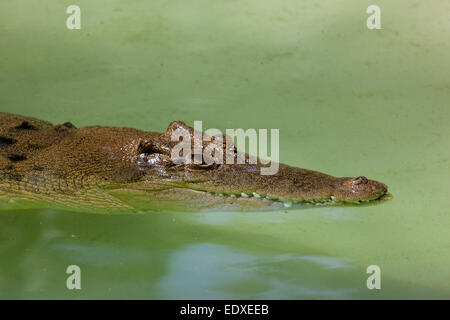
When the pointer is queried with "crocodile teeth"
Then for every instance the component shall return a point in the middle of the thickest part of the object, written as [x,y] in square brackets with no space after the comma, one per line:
[286,204]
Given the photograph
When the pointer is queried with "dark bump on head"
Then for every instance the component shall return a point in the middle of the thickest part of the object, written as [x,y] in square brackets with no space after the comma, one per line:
[16,157]
[69,125]
[25,125]
[6,140]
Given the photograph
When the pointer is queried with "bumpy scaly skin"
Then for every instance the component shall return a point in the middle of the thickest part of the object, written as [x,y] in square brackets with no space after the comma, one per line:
[95,166]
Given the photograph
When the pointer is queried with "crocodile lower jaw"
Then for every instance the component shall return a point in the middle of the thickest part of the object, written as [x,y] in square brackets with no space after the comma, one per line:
[288,204]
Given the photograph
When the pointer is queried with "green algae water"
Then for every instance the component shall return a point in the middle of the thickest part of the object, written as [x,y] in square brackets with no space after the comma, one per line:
[348,101]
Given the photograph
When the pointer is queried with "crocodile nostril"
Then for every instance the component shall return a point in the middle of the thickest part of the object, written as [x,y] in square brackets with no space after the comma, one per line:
[360,180]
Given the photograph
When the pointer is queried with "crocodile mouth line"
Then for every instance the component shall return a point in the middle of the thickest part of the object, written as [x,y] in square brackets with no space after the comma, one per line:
[331,201]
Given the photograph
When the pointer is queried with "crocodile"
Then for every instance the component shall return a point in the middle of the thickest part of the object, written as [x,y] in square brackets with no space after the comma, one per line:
[116,168]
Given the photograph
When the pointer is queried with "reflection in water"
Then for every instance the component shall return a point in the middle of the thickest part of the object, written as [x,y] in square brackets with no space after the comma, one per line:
[158,256]
[210,271]
[283,216]
[171,255]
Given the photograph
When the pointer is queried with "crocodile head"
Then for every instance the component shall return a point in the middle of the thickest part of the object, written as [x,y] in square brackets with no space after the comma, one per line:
[241,185]
[114,167]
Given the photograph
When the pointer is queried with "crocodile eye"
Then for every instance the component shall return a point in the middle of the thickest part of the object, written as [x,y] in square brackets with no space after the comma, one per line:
[151,154]
[146,148]
[150,147]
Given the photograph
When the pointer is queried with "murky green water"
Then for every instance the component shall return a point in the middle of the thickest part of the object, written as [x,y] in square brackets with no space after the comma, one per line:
[348,101]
